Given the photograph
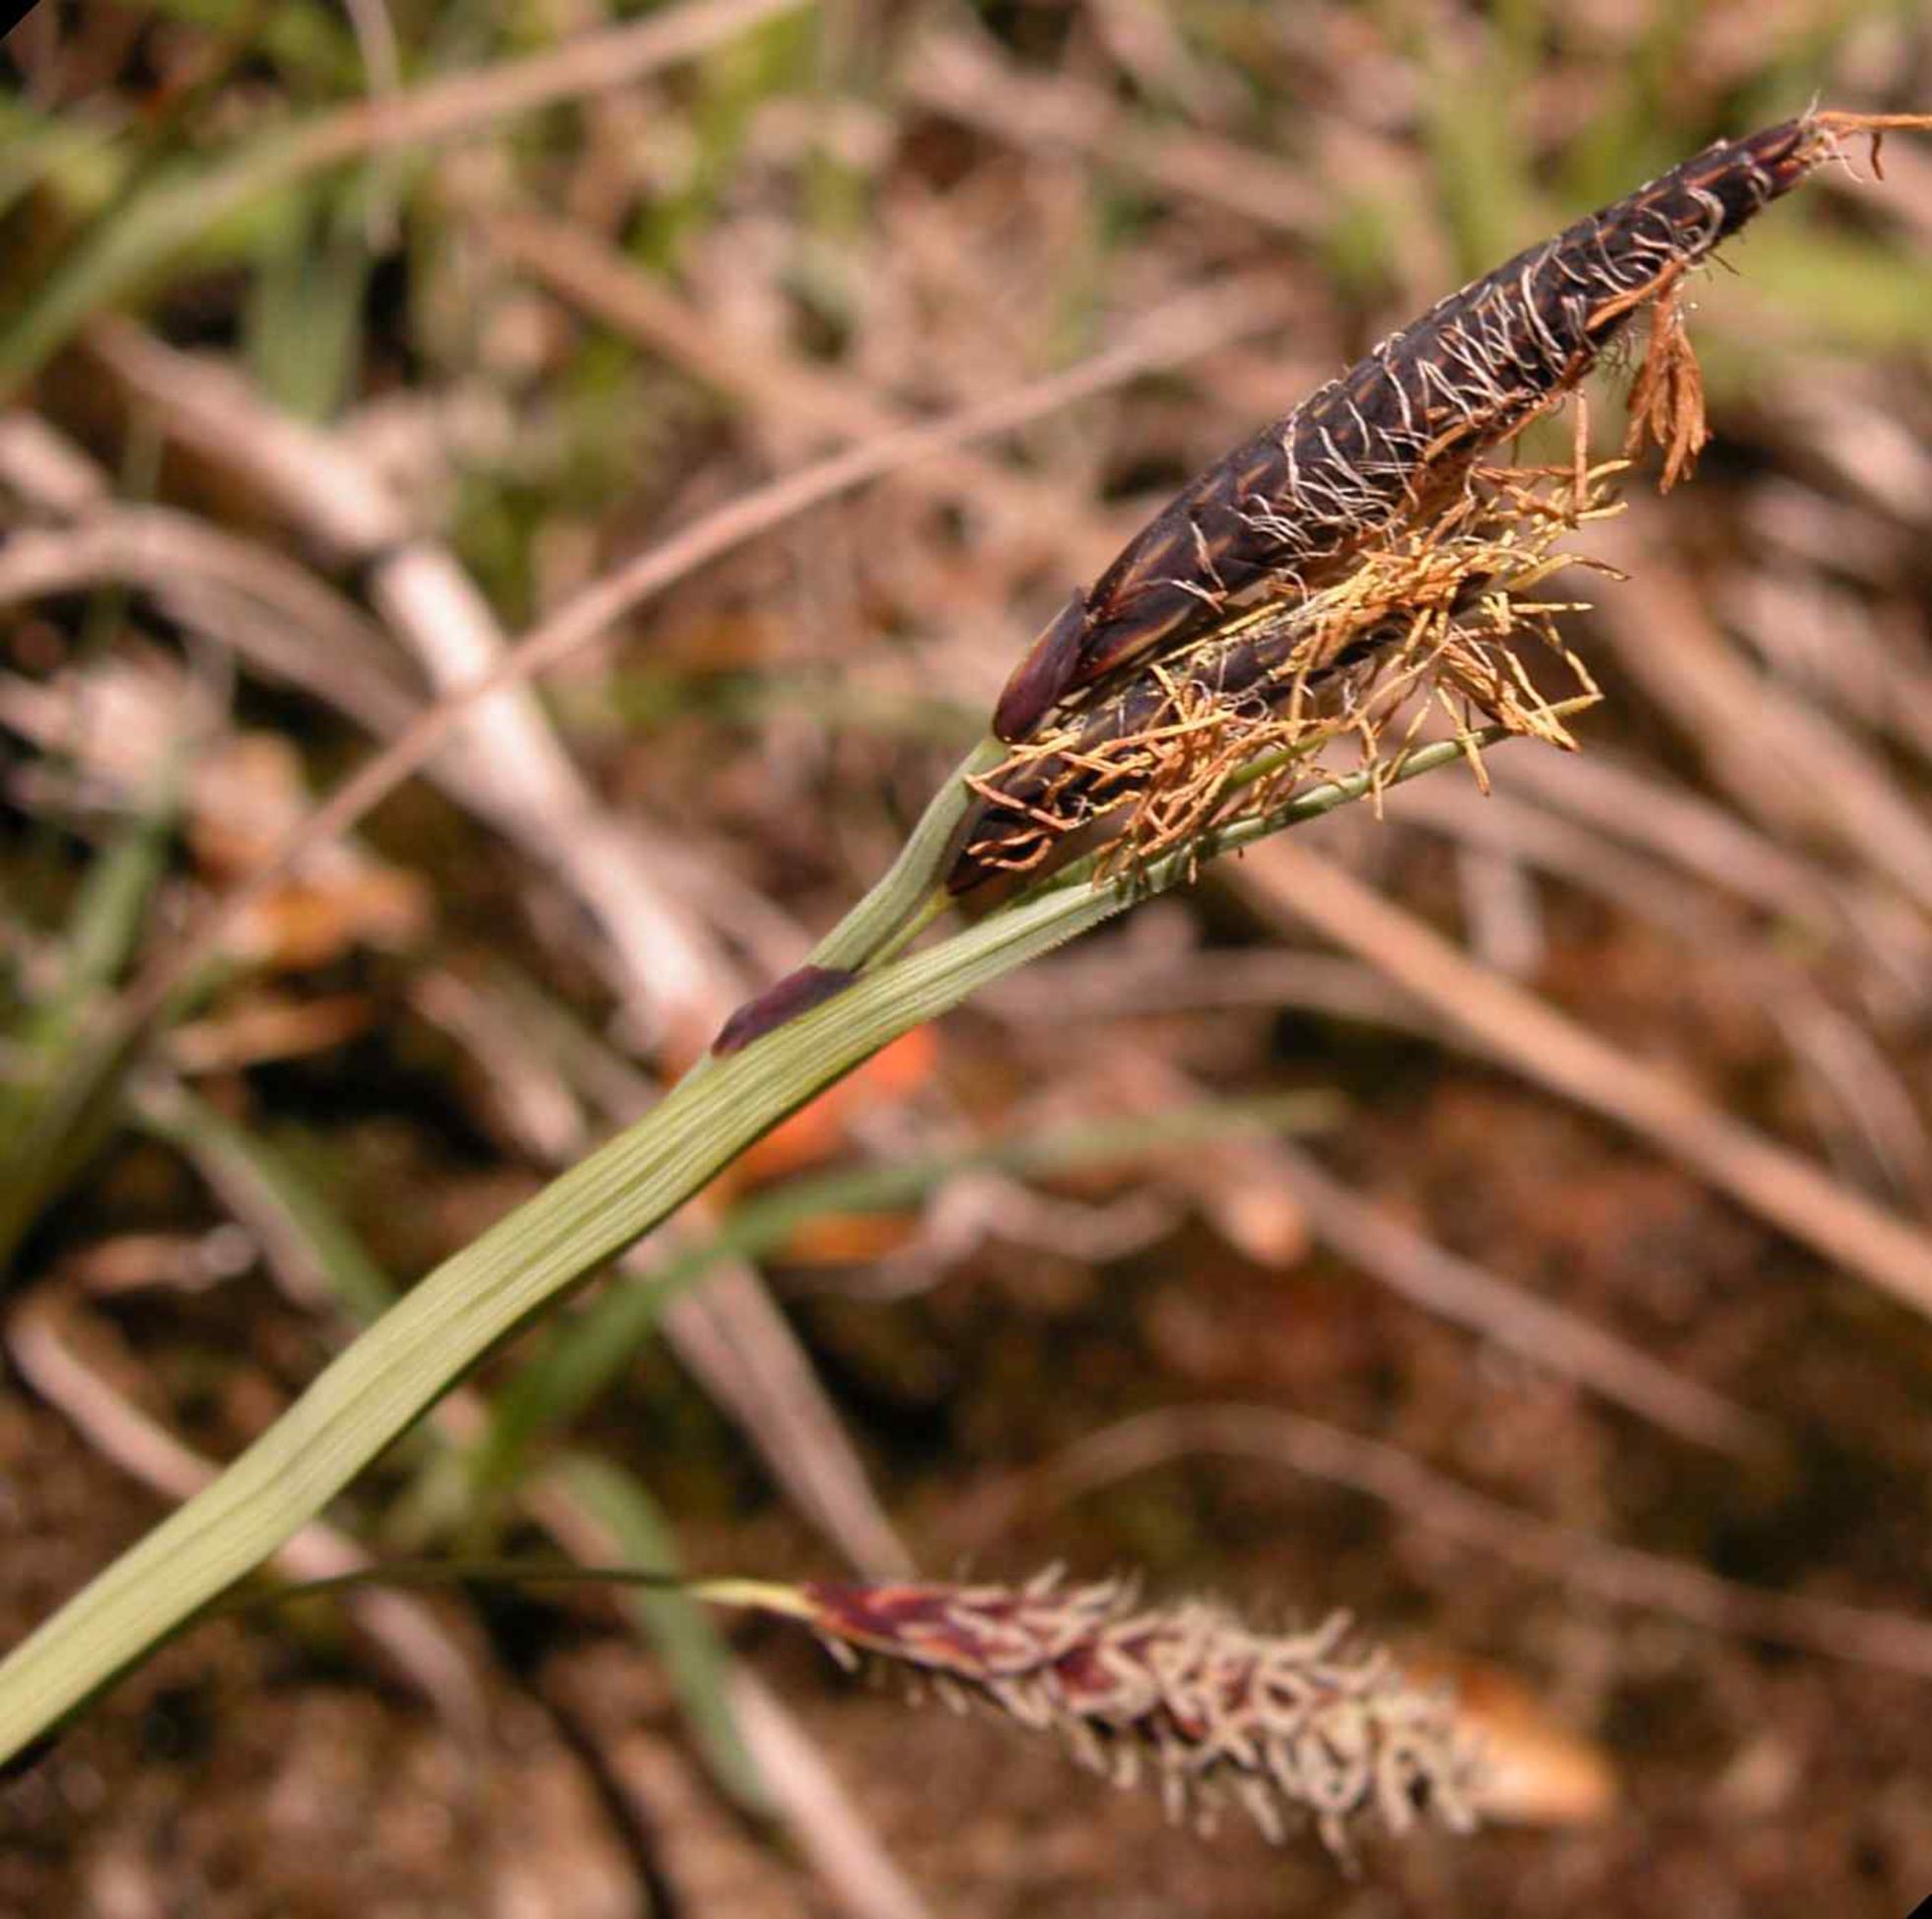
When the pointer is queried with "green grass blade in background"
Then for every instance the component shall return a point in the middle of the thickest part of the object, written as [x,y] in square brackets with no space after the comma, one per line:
[586,1357]
[283,1200]
[176,209]
[73,1051]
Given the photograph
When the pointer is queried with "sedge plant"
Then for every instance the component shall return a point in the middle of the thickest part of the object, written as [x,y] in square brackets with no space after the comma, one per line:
[1359,565]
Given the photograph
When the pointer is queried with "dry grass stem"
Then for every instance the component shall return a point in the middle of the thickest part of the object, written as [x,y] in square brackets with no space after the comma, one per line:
[1856,1235]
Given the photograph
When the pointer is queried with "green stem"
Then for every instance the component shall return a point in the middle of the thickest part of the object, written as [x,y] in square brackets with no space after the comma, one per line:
[763,1595]
[912,895]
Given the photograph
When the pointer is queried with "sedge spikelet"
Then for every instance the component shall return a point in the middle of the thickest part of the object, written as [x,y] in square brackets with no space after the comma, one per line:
[1185,1697]
[1363,552]
[1399,432]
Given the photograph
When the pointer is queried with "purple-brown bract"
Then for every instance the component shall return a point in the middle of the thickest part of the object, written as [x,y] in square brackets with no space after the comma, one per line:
[799,992]
[1397,434]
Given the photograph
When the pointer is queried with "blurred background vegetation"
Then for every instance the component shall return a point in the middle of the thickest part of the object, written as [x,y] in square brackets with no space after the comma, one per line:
[1469,1216]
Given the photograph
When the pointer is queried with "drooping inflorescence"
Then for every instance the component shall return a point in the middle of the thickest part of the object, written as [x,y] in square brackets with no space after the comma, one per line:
[1184,1697]
[1251,614]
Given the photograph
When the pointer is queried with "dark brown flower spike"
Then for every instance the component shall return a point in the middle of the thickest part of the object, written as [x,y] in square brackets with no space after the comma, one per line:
[1395,436]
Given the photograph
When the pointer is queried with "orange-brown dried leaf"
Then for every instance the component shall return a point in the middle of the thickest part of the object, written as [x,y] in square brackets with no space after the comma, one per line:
[818,1132]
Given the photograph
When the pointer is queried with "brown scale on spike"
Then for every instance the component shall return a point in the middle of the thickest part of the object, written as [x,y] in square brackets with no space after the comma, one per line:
[1396,437]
